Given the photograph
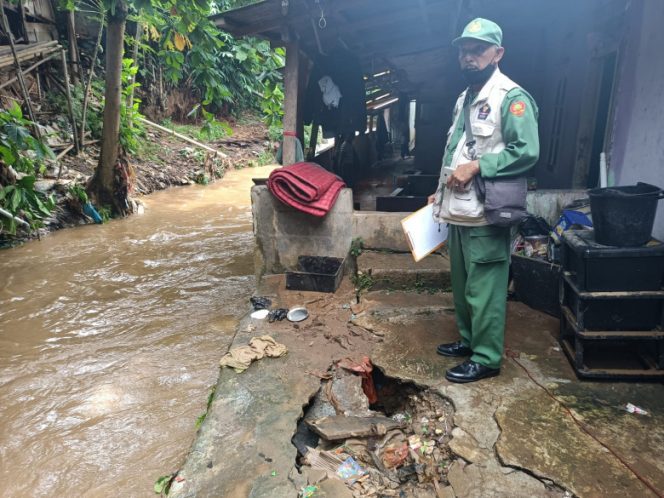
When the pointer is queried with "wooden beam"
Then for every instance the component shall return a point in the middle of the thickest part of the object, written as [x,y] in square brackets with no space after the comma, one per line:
[291,101]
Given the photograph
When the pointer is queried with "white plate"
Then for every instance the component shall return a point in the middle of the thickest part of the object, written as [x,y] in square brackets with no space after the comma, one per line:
[260,314]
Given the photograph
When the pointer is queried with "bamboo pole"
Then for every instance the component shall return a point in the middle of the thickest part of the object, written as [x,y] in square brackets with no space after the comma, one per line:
[86,97]
[19,73]
[27,53]
[182,137]
[26,71]
[69,101]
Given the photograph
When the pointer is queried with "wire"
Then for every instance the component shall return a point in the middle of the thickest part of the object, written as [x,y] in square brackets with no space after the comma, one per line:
[513,355]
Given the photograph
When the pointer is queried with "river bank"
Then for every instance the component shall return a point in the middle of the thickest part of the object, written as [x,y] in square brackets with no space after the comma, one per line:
[163,161]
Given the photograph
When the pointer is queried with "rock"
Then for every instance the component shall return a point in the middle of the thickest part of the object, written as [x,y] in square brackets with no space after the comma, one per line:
[447,492]
[467,447]
[536,435]
[333,488]
[44,186]
[349,398]
[340,427]
[487,481]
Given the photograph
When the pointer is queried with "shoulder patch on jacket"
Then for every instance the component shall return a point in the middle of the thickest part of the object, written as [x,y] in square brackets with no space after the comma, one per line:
[518,108]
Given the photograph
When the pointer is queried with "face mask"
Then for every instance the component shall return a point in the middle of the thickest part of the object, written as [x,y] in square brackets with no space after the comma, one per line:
[479,76]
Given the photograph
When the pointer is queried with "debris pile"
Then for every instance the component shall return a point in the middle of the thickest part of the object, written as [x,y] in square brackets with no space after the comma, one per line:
[375,435]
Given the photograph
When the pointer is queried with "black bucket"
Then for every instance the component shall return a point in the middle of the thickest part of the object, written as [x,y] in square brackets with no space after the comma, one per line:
[624,216]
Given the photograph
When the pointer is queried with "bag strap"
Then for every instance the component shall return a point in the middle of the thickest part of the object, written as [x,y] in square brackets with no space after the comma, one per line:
[478,181]
[470,139]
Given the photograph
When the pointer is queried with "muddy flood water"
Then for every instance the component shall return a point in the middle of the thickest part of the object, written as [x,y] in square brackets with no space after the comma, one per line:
[110,337]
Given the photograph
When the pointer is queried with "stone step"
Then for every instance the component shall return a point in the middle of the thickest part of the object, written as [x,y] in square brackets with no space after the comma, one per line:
[383,270]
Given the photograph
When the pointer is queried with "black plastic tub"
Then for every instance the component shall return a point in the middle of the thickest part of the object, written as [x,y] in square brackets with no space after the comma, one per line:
[624,216]
[316,273]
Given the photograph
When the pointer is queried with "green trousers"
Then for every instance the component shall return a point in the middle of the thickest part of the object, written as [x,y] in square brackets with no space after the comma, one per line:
[479,258]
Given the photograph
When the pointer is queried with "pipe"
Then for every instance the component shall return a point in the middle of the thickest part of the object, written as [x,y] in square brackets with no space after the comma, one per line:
[16,219]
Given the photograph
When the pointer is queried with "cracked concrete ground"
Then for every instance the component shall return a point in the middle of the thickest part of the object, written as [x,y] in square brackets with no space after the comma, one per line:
[512,439]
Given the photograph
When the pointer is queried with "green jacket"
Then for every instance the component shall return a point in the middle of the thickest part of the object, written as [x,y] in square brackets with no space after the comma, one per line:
[520,135]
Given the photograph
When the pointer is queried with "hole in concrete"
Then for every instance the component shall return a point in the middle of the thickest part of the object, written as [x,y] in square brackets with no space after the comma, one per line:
[394,446]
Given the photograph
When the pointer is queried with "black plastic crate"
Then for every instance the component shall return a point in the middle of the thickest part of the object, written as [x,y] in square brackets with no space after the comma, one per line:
[612,355]
[536,283]
[316,273]
[595,267]
[624,311]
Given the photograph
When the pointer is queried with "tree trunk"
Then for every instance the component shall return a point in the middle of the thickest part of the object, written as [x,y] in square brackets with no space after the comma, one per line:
[102,185]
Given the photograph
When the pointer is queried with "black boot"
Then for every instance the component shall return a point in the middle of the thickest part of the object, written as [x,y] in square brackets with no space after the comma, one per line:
[456,349]
[470,371]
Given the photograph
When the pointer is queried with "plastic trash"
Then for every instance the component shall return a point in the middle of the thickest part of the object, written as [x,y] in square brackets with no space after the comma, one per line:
[260,303]
[635,409]
[277,315]
[350,470]
[260,314]
[90,211]
[309,492]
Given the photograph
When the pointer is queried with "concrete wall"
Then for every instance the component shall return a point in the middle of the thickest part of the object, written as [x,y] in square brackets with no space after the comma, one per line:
[283,233]
[380,230]
[637,153]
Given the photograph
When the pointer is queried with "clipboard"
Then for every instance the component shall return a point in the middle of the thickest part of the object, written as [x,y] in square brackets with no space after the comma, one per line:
[423,234]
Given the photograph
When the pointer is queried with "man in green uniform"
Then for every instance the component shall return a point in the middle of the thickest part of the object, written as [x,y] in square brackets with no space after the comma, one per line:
[504,142]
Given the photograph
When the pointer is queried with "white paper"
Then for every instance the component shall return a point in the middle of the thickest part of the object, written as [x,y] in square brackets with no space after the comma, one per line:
[423,233]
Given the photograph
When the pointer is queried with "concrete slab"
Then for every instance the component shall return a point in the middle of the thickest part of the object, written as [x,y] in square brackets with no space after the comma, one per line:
[520,426]
[511,437]
[399,271]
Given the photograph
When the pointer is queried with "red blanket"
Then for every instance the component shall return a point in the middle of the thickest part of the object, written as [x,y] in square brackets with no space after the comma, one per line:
[306,187]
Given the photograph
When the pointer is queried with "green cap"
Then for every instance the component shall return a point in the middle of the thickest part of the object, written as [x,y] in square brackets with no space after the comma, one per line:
[483,30]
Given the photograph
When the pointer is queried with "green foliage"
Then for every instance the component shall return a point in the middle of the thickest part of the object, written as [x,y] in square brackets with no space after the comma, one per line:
[213,129]
[362,282]
[227,74]
[26,154]
[106,213]
[356,246]
[18,148]
[210,399]
[209,131]
[77,192]
[275,132]
[162,485]
[21,199]
[272,104]
[57,102]
[131,129]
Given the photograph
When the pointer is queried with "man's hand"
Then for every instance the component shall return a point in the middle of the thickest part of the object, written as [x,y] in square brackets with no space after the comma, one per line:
[462,175]
[431,199]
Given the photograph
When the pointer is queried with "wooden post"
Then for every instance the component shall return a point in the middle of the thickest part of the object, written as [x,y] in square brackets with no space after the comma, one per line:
[19,71]
[314,140]
[291,101]
[74,59]
[69,101]
[24,22]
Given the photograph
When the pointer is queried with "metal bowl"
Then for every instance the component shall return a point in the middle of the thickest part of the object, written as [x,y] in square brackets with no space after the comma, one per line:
[297,314]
